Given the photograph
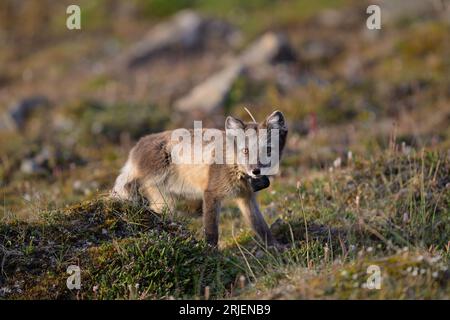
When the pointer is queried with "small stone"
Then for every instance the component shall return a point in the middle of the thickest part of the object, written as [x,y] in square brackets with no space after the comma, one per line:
[19,113]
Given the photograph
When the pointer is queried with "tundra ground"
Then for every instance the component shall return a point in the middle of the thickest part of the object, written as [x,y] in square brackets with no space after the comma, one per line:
[365,180]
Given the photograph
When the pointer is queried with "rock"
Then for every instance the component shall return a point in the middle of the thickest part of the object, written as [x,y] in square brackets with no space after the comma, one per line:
[210,95]
[270,48]
[393,10]
[50,159]
[187,30]
[37,164]
[30,166]
[18,114]
[182,30]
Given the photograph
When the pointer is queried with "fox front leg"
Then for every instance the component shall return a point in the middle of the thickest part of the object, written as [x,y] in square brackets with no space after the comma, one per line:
[254,218]
[211,210]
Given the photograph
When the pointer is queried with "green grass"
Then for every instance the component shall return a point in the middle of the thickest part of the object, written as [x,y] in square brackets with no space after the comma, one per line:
[401,215]
[116,245]
[255,16]
[126,251]
[102,123]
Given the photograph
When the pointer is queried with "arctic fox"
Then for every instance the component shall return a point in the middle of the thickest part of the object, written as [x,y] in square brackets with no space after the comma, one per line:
[159,178]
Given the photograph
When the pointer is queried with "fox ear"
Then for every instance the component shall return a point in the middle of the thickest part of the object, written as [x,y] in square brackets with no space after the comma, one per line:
[276,121]
[233,123]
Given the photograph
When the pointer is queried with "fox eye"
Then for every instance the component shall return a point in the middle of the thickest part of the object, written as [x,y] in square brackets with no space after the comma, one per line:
[245,151]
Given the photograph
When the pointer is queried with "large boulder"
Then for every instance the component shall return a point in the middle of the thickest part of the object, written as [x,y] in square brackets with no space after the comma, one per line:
[186,30]
[269,48]
[16,116]
[209,95]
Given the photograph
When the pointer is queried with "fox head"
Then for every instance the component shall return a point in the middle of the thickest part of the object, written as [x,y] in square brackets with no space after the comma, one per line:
[257,146]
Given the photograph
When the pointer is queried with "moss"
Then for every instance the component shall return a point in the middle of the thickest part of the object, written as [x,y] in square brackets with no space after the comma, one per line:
[343,99]
[405,275]
[433,36]
[161,265]
[115,244]
[98,123]
[161,8]
[393,201]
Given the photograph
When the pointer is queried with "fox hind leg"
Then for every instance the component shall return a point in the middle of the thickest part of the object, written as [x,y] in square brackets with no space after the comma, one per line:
[159,199]
[125,186]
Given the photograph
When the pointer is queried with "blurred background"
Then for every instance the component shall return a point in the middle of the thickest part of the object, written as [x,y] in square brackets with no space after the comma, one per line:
[72,102]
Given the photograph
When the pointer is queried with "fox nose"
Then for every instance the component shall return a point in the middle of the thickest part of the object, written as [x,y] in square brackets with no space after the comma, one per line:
[256,172]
